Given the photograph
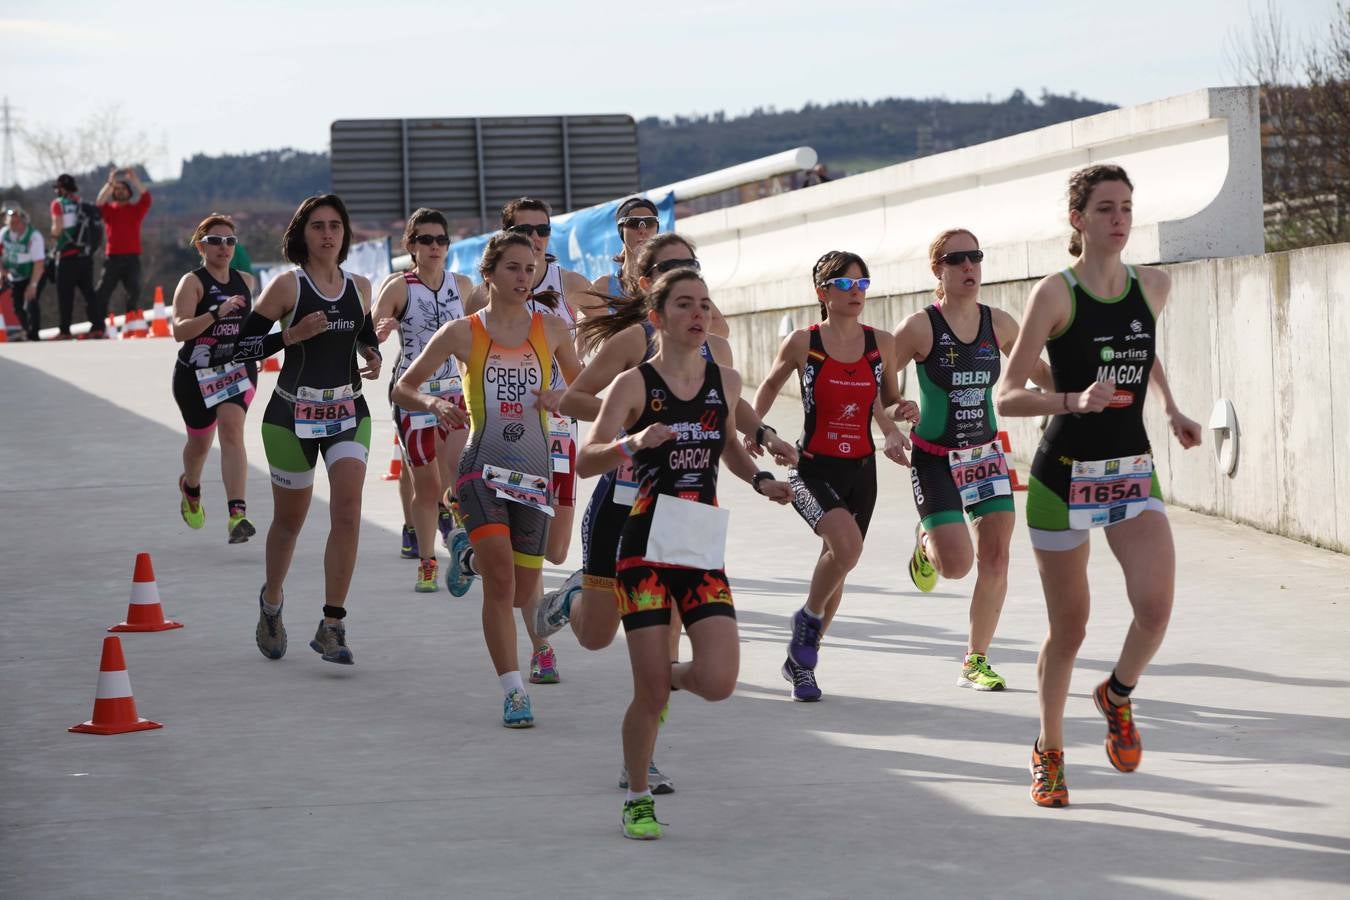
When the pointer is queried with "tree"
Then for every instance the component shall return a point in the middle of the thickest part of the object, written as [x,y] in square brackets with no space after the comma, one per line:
[105,138]
[1305,127]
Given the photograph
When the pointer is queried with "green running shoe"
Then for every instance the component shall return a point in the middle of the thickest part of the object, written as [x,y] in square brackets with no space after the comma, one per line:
[240,529]
[977,674]
[921,570]
[426,577]
[639,820]
[195,518]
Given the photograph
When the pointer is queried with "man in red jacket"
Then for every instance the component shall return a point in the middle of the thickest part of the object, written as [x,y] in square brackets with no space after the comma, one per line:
[122,218]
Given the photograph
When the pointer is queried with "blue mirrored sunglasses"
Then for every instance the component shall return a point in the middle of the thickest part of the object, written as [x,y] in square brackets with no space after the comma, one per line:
[847,284]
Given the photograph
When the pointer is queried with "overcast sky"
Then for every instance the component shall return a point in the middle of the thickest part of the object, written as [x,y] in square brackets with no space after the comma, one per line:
[217,77]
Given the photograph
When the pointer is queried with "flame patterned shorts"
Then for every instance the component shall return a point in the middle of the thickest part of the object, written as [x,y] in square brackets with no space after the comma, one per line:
[646,593]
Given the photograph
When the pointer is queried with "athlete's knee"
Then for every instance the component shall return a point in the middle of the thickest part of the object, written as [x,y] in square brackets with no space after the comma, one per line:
[717,682]
[501,575]
[847,550]
[993,560]
[345,516]
[651,699]
[952,561]
[1152,613]
[1067,634]
[556,555]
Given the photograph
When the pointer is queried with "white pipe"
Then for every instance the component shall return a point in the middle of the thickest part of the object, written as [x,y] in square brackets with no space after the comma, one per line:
[795,160]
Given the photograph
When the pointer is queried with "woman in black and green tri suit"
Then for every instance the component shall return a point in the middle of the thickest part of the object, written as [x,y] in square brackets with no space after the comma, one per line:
[1098,319]
[957,467]
[671,418]
[316,408]
[209,306]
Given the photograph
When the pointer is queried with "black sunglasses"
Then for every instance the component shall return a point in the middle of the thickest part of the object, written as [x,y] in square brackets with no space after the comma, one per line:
[541,230]
[648,222]
[220,240]
[672,264]
[957,257]
[426,240]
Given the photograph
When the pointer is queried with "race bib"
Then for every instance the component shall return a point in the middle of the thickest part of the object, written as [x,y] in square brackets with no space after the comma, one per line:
[625,484]
[518,487]
[688,533]
[220,383]
[1109,491]
[561,439]
[446,389]
[324,413]
[980,473]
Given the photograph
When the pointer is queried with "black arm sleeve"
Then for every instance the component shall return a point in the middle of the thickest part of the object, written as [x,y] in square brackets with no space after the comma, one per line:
[255,338]
[366,336]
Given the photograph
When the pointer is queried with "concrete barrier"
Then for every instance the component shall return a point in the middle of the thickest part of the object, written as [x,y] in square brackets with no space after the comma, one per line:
[1270,333]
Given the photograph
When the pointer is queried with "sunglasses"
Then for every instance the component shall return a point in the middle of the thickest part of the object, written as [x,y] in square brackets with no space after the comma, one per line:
[848,284]
[220,240]
[648,222]
[426,240]
[541,230]
[671,264]
[957,257]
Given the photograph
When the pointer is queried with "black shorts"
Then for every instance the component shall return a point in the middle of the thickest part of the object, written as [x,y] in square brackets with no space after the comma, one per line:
[646,593]
[197,416]
[822,483]
[600,529]
[936,496]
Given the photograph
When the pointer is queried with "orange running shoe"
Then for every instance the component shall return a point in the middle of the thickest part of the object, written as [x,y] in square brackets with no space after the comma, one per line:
[1048,787]
[1123,747]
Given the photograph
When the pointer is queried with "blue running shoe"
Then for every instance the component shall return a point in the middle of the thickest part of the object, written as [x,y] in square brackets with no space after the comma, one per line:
[516,710]
[410,549]
[805,643]
[458,580]
[555,608]
[803,681]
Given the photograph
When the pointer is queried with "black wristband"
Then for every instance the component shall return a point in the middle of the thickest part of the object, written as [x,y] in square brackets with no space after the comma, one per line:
[760,476]
[759,433]
[215,313]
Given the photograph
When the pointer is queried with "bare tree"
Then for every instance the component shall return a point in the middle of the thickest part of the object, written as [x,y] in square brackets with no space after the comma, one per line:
[105,138]
[1305,126]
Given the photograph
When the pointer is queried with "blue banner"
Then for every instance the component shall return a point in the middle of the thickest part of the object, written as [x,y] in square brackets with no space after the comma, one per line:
[584,241]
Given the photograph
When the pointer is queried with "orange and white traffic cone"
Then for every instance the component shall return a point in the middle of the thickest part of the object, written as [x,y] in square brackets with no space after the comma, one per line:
[271,364]
[144,612]
[160,326]
[133,324]
[114,707]
[4,330]
[111,328]
[395,463]
[1007,451]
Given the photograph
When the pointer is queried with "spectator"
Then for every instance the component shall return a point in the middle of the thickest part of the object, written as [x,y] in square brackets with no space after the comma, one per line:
[122,218]
[22,264]
[818,174]
[74,260]
[241,261]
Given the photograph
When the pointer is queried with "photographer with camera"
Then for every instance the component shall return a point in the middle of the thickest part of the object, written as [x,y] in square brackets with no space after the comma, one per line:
[123,218]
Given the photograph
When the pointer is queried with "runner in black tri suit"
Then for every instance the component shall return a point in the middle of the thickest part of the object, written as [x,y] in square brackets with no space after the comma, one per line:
[1094,467]
[843,366]
[958,467]
[316,408]
[208,307]
[678,424]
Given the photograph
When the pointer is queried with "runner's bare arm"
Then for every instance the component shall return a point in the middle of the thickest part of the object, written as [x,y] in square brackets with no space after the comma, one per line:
[623,351]
[791,358]
[186,323]
[601,452]
[1006,330]
[736,458]
[451,339]
[1048,312]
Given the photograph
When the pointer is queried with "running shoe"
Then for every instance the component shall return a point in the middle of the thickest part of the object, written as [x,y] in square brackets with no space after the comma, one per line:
[555,607]
[921,570]
[426,577]
[445,523]
[544,667]
[458,580]
[516,710]
[805,644]
[977,674]
[331,642]
[659,782]
[271,631]
[195,518]
[639,820]
[803,681]
[1048,787]
[1124,749]
[241,529]
[410,549]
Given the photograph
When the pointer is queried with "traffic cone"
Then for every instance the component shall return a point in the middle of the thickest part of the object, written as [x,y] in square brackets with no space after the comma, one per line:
[271,364]
[111,328]
[160,326]
[114,707]
[395,463]
[4,330]
[133,324]
[1007,451]
[144,612]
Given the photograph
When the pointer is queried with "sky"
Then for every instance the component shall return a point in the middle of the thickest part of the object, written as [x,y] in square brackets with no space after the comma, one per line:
[232,77]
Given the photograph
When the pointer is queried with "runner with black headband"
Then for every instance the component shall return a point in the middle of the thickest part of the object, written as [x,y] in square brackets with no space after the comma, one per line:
[506,353]
[957,465]
[316,408]
[843,366]
[211,390]
[672,418]
[418,304]
[1098,320]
